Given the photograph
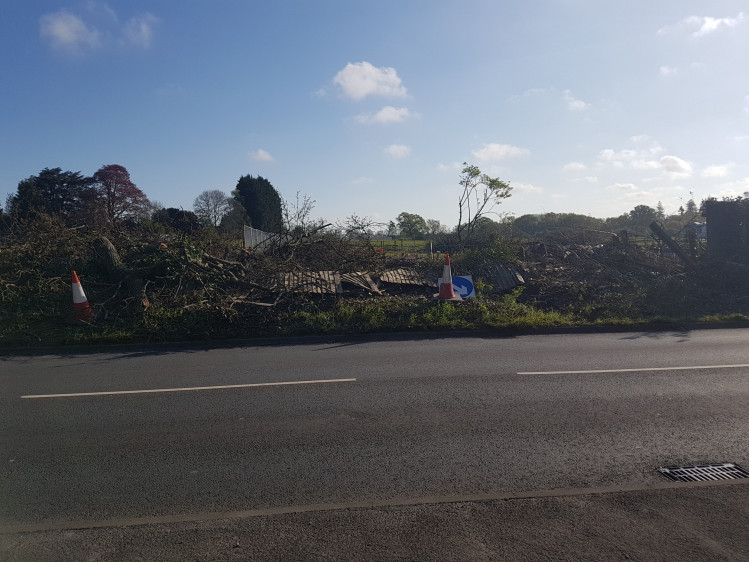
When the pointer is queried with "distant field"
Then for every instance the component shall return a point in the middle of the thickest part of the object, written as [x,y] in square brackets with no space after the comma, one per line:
[403,246]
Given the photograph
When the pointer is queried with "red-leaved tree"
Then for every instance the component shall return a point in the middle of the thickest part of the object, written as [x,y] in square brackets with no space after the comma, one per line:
[116,197]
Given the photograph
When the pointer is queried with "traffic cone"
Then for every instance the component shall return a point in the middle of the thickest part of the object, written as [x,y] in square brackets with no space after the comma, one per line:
[81,310]
[447,293]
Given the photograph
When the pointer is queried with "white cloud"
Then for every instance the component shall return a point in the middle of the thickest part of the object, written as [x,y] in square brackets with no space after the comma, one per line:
[626,187]
[746,104]
[735,188]
[708,25]
[527,188]
[387,114]
[574,167]
[398,151]
[639,139]
[99,10]
[704,25]
[68,32]
[361,79]
[638,158]
[572,103]
[667,71]
[363,180]
[138,31]
[645,164]
[617,159]
[675,167]
[454,167]
[717,171]
[610,155]
[492,151]
[672,167]
[261,155]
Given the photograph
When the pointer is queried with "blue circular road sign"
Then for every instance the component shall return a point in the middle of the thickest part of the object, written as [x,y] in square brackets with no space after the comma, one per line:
[463,286]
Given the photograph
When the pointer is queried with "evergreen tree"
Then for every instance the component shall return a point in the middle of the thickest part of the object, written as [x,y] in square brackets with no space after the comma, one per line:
[178,219]
[51,192]
[660,211]
[261,201]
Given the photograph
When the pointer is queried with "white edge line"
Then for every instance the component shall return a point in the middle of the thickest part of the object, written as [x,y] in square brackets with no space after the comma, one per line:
[184,389]
[640,370]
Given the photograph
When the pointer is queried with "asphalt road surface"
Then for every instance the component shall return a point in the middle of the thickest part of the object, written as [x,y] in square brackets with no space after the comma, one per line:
[408,448]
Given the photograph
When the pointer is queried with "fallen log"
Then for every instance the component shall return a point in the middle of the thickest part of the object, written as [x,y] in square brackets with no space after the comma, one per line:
[671,243]
[132,279]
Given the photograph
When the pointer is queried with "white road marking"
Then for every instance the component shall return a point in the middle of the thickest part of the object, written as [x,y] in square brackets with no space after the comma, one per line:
[184,389]
[640,370]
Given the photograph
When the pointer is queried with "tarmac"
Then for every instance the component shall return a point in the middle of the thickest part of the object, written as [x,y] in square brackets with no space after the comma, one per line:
[691,521]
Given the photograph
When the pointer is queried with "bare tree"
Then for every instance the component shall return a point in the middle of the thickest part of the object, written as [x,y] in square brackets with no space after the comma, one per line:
[297,214]
[479,197]
[355,227]
[211,206]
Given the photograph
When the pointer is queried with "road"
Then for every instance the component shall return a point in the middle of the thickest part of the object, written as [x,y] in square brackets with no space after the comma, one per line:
[145,436]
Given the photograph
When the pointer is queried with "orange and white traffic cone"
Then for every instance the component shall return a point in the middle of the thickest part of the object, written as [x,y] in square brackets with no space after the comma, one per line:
[447,293]
[81,309]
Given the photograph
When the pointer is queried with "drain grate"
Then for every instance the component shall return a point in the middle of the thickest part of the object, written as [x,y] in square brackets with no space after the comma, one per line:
[705,472]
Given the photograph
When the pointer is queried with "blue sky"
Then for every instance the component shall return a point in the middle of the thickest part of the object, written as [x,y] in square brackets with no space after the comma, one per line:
[370,108]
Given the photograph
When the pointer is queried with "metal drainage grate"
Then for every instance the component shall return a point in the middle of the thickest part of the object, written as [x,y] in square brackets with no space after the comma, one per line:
[705,472]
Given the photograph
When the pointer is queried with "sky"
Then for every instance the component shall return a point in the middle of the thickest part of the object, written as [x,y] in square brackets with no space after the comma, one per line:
[371,108]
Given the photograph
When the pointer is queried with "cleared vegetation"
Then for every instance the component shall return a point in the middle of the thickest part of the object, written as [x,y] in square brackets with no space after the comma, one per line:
[154,274]
[149,284]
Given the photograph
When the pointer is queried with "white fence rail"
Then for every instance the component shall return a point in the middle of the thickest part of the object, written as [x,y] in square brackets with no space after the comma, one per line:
[260,241]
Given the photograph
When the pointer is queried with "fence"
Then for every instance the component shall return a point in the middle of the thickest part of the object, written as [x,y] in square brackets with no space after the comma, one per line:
[261,241]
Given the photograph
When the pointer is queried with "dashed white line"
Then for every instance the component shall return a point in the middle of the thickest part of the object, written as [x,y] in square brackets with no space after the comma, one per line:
[639,370]
[184,389]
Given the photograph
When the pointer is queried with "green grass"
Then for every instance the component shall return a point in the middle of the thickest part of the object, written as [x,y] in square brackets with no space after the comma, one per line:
[401,246]
[36,302]
[181,322]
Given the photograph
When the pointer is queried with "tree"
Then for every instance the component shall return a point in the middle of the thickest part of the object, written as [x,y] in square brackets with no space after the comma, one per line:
[660,212]
[487,230]
[235,218]
[355,227]
[479,196]
[642,215]
[411,224]
[178,219]
[435,227]
[261,202]
[51,192]
[691,206]
[4,220]
[211,206]
[297,216]
[116,197]
[541,225]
